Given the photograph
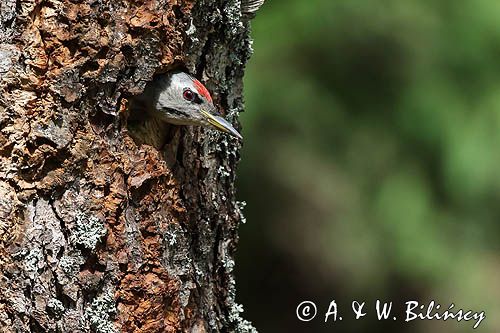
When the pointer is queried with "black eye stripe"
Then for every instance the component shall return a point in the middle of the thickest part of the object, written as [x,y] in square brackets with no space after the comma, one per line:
[197,99]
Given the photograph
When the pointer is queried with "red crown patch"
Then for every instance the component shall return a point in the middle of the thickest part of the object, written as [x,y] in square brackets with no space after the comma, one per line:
[202,90]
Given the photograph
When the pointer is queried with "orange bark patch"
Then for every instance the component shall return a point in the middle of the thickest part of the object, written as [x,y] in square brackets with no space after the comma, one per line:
[142,303]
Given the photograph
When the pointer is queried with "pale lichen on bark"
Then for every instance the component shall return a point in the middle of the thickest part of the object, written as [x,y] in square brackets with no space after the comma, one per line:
[97,232]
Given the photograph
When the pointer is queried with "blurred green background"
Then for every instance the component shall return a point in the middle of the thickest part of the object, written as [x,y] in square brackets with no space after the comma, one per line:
[370,165]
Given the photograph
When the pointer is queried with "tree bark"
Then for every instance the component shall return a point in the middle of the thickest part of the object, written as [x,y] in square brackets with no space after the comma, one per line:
[100,232]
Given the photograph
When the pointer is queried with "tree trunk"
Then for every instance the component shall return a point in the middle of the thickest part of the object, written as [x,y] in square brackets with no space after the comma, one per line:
[100,232]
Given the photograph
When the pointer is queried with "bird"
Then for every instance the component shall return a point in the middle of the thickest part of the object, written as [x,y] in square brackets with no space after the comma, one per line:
[179,98]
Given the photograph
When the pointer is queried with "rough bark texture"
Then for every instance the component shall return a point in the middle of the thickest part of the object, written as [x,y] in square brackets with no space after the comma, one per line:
[99,233]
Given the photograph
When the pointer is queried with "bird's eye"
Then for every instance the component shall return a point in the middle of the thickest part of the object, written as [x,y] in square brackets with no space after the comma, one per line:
[188,95]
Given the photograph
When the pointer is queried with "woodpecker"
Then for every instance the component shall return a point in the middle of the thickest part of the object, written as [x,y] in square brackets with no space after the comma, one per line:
[180,99]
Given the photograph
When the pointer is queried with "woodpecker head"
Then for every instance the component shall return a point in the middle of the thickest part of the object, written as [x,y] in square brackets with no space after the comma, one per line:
[180,99]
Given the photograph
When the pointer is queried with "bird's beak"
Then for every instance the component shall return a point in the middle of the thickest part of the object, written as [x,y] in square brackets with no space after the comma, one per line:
[221,124]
